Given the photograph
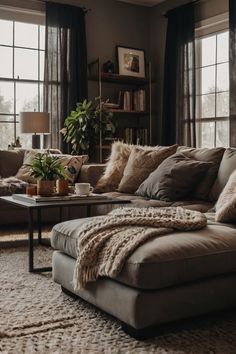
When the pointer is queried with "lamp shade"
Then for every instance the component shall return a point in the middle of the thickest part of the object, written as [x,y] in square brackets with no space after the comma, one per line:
[34,122]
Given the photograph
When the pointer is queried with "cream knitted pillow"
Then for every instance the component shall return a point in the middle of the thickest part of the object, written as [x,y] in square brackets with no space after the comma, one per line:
[226,204]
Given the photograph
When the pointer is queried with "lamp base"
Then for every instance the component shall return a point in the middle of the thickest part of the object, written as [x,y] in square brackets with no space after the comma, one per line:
[36,141]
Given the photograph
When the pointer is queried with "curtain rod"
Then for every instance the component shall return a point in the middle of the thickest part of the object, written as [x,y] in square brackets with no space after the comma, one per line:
[45,1]
[166,13]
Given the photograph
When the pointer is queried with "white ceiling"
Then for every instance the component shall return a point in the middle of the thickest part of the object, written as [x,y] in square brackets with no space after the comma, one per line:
[144,2]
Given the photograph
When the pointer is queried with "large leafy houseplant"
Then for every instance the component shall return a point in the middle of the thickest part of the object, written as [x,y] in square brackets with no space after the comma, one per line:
[82,126]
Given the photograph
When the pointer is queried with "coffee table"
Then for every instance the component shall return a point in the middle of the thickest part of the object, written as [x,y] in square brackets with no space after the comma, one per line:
[37,207]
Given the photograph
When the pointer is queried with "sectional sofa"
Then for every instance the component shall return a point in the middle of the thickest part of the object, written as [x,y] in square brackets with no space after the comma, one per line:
[173,277]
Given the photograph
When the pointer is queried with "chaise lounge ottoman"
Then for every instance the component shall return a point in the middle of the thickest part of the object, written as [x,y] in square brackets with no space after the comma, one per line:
[170,277]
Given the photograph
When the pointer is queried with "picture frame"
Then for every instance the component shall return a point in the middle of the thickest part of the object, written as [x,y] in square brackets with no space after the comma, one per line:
[131,61]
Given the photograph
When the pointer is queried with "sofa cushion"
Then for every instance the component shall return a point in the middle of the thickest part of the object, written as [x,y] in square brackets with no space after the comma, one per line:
[10,162]
[174,179]
[24,171]
[115,167]
[140,164]
[116,164]
[227,166]
[226,204]
[213,155]
[72,165]
[167,260]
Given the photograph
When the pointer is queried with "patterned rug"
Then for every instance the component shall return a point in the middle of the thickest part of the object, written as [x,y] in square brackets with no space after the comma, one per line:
[36,317]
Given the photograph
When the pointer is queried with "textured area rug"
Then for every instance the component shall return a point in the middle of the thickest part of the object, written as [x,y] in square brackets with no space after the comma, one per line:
[36,317]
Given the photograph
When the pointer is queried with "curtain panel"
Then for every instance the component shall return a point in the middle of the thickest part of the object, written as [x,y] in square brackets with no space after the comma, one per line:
[65,73]
[232,72]
[178,118]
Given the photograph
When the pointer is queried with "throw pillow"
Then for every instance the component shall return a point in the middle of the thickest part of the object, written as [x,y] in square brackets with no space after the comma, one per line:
[226,204]
[72,165]
[174,179]
[24,171]
[227,166]
[140,164]
[214,156]
[115,167]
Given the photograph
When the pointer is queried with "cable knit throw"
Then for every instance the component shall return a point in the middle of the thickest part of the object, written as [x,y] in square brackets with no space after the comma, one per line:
[106,242]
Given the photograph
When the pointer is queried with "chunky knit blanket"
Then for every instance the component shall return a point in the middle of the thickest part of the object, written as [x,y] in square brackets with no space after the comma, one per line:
[106,242]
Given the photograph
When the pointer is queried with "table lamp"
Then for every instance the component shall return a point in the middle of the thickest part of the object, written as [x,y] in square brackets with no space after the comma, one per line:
[35,123]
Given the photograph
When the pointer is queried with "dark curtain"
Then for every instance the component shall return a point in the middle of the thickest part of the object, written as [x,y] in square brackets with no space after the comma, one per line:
[65,78]
[232,72]
[178,120]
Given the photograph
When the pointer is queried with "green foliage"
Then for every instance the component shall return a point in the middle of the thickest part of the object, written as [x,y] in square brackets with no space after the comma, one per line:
[47,167]
[82,126]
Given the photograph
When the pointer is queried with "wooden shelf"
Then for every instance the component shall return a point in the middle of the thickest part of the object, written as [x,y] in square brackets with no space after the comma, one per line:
[122,111]
[120,79]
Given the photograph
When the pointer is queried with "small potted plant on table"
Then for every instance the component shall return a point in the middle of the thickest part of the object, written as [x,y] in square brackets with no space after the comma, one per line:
[46,169]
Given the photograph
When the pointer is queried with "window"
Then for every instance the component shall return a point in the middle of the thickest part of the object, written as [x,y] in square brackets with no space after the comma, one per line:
[212,89]
[21,76]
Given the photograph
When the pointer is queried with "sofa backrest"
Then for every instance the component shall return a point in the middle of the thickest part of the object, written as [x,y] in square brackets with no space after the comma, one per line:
[10,162]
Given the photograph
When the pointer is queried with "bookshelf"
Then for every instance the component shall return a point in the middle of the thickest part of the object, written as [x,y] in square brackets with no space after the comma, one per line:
[129,101]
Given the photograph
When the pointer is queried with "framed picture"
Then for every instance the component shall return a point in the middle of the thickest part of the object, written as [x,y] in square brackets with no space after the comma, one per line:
[131,61]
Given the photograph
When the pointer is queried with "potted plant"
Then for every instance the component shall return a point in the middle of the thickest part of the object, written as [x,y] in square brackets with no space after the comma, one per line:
[46,169]
[82,126]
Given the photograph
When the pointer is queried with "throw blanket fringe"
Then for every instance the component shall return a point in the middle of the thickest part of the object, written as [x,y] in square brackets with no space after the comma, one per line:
[105,242]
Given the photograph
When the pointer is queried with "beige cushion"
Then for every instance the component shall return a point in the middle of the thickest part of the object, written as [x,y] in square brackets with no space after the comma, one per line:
[10,162]
[226,204]
[168,260]
[115,166]
[72,165]
[24,171]
[140,164]
[227,166]
[214,156]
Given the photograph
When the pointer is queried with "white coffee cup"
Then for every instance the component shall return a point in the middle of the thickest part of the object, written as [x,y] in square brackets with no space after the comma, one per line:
[83,189]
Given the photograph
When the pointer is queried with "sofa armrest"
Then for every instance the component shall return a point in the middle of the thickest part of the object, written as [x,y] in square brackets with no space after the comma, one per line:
[91,173]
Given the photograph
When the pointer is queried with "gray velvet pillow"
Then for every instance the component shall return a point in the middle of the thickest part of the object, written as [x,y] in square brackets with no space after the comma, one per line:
[174,179]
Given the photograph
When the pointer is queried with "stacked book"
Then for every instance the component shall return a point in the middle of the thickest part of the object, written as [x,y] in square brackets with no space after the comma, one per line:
[137,136]
[132,100]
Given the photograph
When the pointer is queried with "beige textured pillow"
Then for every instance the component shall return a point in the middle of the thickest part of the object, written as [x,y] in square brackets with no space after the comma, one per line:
[226,204]
[24,171]
[115,167]
[140,164]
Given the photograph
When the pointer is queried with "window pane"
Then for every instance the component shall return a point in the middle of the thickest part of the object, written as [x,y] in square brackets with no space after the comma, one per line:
[6,32]
[26,64]
[205,106]
[222,134]
[9,119]
[26,35]
[7,134]
[222,104]
[26,97]
[208,46]
[41,65]
[6,97]
[41,98]
[25,139]
[205,134]
[205,80]
[223,47]
[42,37]
[223,77]
[6,60]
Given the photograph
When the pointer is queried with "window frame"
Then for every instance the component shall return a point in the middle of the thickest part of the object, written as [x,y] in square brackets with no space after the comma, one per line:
[203,29]
[34,17]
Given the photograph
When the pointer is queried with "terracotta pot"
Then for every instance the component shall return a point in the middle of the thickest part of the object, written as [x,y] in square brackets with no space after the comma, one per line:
[45,188]
[62,187]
